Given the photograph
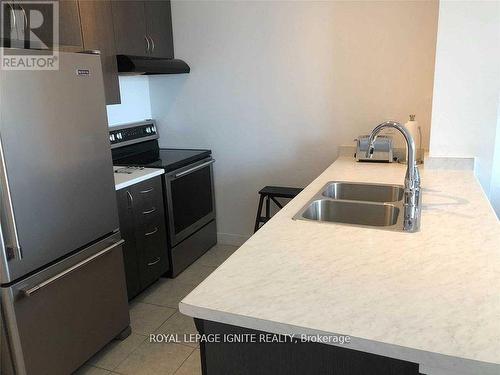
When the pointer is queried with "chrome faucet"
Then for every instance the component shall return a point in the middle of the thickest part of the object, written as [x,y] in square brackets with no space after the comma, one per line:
[412,194]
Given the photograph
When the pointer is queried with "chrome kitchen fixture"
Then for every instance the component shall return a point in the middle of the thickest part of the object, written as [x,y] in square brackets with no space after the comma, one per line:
[389,207]
[356,203]
[412,195]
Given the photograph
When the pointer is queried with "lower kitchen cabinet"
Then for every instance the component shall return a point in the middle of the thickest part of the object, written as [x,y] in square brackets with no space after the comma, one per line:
[267,353]
[142,225]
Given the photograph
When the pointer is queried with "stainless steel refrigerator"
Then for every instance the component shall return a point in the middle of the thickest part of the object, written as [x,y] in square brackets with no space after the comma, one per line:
[63,294]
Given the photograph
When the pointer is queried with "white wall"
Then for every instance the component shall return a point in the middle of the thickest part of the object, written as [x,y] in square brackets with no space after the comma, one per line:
[135,104]
[276,87]
[467,84]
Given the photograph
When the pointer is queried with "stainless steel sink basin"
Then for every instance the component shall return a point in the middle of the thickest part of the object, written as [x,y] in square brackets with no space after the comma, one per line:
[369,205]
[364,192]
[348,212]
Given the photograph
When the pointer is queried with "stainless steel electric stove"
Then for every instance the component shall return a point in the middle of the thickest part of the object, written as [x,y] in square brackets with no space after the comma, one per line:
[188,188]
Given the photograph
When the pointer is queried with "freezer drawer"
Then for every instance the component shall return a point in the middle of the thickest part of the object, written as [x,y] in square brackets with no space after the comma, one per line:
[66,318]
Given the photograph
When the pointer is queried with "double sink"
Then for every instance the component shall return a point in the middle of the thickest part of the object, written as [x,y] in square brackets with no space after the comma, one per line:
[361,204]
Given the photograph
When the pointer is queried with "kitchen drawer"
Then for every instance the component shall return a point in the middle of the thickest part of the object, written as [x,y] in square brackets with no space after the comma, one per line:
[153,254]
[148,217]
[148,208]
[151,231]
[148,194]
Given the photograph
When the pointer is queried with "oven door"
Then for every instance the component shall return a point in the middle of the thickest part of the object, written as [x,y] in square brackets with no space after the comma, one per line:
[190,199]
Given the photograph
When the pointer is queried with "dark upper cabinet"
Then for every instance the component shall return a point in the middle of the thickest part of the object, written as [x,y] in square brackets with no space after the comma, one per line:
[159,28]
[137,28]
[8,23]
[143,28]
[129,23]
[70,37]
[97,29]
[69,24]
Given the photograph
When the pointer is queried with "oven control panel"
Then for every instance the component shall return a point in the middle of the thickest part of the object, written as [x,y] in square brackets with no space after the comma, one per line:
[132,133]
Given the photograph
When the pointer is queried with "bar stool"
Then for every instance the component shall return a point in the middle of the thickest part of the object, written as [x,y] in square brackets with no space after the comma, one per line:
[270,193]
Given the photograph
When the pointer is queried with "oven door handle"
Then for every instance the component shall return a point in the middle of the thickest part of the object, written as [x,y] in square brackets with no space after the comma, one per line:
[194,169]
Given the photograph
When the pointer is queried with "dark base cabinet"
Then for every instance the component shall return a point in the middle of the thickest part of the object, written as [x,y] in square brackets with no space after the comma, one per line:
[142,224]
[290,357]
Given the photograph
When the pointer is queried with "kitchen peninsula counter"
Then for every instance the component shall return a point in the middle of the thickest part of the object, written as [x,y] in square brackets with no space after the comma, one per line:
[430,298]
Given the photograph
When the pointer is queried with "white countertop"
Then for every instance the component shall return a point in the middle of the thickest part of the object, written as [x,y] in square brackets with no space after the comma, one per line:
[135,175]
[431,297]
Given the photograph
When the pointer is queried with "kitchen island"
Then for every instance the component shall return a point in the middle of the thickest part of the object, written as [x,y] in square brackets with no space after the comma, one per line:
[410,303]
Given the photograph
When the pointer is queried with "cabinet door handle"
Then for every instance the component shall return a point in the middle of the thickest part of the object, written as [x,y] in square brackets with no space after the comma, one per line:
[152,232]
[25,17]
[152,44]
[154,262]
[149,211]
[147,190]
[13,13]
[131,199]
[147,43]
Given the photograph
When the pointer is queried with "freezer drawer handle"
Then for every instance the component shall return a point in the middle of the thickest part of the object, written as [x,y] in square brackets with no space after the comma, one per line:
[147,191]
[14,250]
[151,233]
[149,211]
[154,262]
[36,288]
[194,169]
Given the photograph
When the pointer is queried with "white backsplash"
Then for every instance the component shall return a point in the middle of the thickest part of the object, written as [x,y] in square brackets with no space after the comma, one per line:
[135,104]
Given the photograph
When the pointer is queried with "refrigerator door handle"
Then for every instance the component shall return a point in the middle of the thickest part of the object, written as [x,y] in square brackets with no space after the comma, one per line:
[36,288]
[12,245]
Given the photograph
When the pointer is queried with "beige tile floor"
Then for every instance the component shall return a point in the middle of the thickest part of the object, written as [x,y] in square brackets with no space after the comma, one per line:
[156,311]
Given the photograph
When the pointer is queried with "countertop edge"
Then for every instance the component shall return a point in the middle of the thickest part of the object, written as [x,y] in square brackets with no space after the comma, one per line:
[457,365]
[136,180]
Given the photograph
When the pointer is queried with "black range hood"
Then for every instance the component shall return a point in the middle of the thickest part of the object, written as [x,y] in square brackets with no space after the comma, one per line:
[134,65]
